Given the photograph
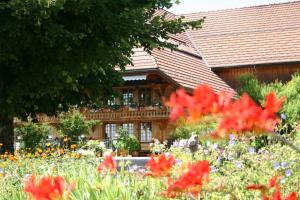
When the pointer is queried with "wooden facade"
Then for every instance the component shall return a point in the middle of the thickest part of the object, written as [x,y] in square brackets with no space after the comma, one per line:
[264,72]
[144,118]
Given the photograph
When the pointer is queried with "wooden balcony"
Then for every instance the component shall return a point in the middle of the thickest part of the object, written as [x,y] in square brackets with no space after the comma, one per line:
[129,114]
[123,114]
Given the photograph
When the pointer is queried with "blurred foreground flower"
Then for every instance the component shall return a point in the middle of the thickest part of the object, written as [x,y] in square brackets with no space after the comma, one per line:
[48,188]
[161,165]
[109,164]
[241,115]
[190,182]
[273,183]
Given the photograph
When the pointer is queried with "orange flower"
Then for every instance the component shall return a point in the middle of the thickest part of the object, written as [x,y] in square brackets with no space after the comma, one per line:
[109,164]
[48,188]
[237,116]
[273,183]
[160,166]
[190,182]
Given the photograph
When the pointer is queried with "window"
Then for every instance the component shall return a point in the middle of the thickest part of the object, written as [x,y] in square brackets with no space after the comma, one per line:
[110,131]
[127,97]
[146,132]
[111,102]
[129,128]
[145,96]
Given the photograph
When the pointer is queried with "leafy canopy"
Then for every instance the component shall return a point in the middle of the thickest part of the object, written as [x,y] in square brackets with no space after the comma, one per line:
[56,53]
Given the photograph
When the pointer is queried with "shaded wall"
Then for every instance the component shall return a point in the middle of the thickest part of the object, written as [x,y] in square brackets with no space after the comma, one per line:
[265,73]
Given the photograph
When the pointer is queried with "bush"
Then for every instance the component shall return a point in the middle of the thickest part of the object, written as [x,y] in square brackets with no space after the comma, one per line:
[32,134]
[73,124]
[251,86]
[291,90]
[185,131]
[127,142]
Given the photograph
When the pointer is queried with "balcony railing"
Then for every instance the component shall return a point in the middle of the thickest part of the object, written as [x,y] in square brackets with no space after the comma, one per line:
[129,114]
[123,114]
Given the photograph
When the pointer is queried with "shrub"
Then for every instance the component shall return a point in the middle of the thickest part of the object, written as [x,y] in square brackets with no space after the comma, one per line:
[73,124]
[185,131]
[291,90]
[251,86]
[127,142]
[32,134]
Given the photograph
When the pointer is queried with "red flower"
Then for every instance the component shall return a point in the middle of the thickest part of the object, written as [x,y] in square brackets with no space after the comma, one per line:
[108,164]
[190,182]
[242,115]
[160,166]
[273,183]
[48,188]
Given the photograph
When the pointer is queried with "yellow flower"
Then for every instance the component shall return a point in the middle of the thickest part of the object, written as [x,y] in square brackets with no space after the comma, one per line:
[73,146]
[44,155]
[77,155]
[48,144]
[40,150]
[62,151]
[11,157]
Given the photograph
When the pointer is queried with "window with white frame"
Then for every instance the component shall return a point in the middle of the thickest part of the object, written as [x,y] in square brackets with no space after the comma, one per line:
[128,127]
[146,132]
[111,131]
[127,97]
[111,102]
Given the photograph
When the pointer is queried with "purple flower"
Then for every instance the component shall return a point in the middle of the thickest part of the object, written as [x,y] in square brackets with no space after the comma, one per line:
[285,164]
[251,150]
[27,176]
[216,146]
[178,161]
[205,151]
[276,166]
[213,169]
[283,116]
[175,144]
[288,172]
[238,165]
[231,143]
[231,137]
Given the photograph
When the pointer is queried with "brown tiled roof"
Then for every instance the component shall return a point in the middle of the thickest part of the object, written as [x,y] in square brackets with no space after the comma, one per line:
[250,35]
[188,70]
[184,66]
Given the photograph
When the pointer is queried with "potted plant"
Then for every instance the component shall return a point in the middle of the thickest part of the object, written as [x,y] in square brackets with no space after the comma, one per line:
[133,145]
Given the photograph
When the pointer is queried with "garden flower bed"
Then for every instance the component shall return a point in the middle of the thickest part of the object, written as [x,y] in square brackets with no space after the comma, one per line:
[227,166]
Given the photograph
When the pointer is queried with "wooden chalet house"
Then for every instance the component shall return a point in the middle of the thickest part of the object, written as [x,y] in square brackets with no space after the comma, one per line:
[264,40]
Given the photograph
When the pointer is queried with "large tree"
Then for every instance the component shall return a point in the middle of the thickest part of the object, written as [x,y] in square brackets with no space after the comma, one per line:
[56,53]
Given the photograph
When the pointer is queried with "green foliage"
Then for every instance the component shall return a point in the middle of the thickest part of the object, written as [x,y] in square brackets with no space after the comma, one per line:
[64,52]
[127,142]
[233,167]
[185,131]
[73,124]
[290,90]
[32,133]
[133,144]
[251,86]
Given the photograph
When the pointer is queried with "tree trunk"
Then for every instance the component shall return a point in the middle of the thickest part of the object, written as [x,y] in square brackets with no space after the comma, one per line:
[6,135]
